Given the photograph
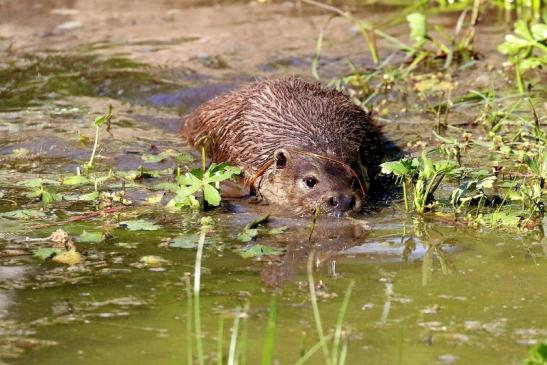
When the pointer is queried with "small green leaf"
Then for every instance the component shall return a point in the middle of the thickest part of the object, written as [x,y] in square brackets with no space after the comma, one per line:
[221,172]
[154,158]
[261,220]
[259,250]
[50,197]
[539,31]
[184,242]
[394,167]
[36,183]
[521,29]
[211,195]
[418,27]
[139,225]
[23,214]
[91,237]
[46,253]
[99,121]
[89,196]
[277,230]
[170,187]
[531,63]
[444,166]
[75,180]
[247,234]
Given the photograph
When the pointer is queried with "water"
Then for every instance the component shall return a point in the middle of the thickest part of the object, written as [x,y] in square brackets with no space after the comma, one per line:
[426,292]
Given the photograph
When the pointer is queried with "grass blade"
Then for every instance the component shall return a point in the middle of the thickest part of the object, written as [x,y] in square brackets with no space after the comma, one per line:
[339,322]
[197,283]
[233,339]
[267,354]
[316,315]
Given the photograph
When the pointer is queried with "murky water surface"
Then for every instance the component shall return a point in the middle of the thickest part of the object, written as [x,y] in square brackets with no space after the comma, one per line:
[425,292]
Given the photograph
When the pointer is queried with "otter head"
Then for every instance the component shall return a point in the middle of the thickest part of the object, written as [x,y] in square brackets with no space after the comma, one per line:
[305,182]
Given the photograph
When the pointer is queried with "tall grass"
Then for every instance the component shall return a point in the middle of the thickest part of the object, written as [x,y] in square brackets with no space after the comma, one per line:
[334,346]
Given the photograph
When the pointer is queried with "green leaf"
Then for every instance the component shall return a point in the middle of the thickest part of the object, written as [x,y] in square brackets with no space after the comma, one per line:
[258,251]
[531,63]
[155,158]
[537,355]
[444,166]
[418,27]
[99,121]
[503,219]
[427,167]
[521,29]
[185,242]
[247,234]
[189,179]
[36,183]
[141,173]
[75,180]
[277,230]
[50,197]
[89,196]
[139,225]
[180,158]
[183,201]
[170,187]
[261,220]
[394,167]
[91,237]
[539,32]
[23,214]
[211,195]
[221,172]
[45,253]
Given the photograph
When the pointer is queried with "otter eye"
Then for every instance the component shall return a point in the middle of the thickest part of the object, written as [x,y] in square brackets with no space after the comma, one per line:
[310,181]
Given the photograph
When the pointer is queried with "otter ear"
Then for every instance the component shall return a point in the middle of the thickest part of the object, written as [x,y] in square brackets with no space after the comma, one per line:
[281,157]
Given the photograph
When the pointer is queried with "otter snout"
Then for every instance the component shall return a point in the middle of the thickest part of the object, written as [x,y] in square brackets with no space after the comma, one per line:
[342,203]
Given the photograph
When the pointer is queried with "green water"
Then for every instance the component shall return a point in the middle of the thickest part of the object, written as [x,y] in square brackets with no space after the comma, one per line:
[485,308]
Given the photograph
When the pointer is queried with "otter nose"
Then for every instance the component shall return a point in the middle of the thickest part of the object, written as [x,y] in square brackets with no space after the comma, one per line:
[342,202]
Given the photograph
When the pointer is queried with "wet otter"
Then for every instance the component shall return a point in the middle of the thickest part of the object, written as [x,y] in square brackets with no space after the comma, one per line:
[298,144]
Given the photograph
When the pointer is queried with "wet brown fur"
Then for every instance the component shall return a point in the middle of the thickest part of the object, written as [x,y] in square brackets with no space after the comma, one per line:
[306,121]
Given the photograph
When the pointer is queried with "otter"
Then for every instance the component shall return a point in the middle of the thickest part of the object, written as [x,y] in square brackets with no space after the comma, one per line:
[299,145]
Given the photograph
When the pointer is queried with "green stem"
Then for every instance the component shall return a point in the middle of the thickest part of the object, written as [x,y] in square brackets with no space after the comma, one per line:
[90,163]
[308,354]
[267,355]
[233,339]
[405,195]
[518,75]
[189,354]
[315,307]
[338,330]
[203,159]
[197,315]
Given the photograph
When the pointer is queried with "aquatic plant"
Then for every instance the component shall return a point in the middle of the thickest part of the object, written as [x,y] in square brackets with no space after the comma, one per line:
[98,123]
[526,49]
[423,174]
[537,355]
